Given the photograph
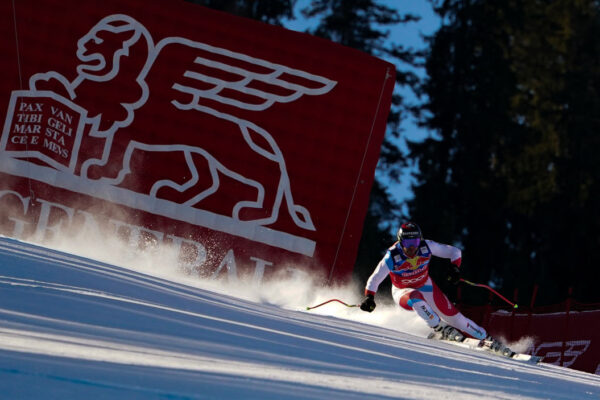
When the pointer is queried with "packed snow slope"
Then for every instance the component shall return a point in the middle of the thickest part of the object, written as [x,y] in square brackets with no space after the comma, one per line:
[74,328]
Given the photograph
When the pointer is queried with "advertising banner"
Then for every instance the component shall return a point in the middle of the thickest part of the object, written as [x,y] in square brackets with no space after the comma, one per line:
[250,147]
[565,339]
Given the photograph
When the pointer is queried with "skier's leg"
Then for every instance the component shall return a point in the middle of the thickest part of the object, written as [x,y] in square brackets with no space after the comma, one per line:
[412,299]
[448,313]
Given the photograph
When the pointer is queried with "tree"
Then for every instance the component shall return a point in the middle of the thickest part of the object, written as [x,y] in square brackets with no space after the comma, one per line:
[273,12]
[512,93]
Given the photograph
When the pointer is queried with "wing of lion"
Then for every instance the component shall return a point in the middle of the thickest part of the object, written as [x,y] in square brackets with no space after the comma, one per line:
[242,81]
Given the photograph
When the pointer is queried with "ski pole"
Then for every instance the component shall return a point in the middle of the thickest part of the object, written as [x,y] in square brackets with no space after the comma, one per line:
[491,290]
[329,301]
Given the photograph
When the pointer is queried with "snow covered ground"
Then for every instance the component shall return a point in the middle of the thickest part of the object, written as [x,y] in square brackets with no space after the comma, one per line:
[73,328]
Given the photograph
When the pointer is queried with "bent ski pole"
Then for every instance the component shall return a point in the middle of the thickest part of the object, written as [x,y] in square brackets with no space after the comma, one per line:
[329,301]
[491,290]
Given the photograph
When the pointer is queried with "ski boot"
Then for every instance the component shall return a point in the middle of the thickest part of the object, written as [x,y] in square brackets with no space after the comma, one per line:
[497,347]
[449,332]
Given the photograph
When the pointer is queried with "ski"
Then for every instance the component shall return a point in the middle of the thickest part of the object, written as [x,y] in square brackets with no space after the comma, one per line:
[483,345]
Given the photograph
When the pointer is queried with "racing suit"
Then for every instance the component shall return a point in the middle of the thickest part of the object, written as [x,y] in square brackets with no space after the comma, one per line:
[413,289]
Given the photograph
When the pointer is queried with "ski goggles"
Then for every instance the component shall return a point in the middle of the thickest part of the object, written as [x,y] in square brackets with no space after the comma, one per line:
[408,243]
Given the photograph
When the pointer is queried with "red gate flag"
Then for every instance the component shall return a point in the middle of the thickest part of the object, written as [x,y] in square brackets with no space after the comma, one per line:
[246,145]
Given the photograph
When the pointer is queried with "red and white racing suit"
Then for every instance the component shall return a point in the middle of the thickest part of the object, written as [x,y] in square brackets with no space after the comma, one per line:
[413,289]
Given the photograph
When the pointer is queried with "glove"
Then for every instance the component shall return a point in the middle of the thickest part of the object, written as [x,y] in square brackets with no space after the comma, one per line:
[453,275]
[368,303]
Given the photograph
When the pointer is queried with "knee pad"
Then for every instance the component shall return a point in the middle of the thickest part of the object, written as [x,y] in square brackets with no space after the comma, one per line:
[410,298]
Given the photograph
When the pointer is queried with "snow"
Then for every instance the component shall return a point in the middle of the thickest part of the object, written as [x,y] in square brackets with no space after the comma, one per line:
[75,328]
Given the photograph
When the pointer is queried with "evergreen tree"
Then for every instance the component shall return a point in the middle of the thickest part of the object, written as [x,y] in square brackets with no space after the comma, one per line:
[469,88]
[512,94]
[273,12]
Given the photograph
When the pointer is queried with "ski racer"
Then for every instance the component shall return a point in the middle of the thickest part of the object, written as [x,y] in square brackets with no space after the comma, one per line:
[407,264]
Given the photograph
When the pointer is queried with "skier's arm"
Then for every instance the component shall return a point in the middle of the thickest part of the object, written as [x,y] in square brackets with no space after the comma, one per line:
[450,252]
[379,274]
[445,251]
[381,271]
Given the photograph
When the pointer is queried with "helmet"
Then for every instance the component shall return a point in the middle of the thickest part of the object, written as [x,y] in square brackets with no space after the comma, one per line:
[409,230]
[409,237]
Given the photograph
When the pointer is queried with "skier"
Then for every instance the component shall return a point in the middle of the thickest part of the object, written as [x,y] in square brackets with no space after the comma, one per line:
[407,263]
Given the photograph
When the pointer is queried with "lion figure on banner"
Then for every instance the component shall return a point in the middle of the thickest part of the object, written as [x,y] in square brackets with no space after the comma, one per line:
[208,95]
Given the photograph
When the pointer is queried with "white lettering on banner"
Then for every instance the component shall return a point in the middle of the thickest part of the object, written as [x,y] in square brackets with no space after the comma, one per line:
[32,129]
[26,107]
[60,139]
[29,118]
[54,218]
[200,251]
[19,227]
[55,135]
[43,226]
[552,351]
[229,263]
[53,147]
[63,116]
[259,271]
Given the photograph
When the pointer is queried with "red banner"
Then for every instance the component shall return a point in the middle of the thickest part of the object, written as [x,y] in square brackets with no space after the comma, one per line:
[566,339]
[252,146]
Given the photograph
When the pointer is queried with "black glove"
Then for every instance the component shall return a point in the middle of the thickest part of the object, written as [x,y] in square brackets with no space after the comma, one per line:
[453,275]
[368,303]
